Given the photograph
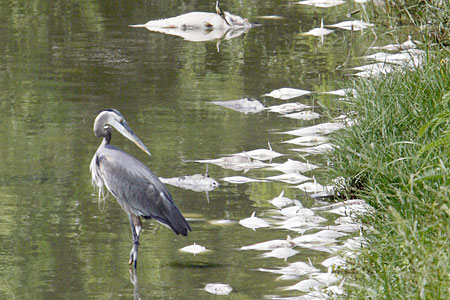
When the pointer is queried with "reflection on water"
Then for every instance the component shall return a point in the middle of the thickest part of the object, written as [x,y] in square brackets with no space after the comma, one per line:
[62,61]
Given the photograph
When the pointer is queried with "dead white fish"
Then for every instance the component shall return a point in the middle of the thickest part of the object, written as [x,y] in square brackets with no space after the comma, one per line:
[199,20]
[311,187]
[303,115]
[196,182]
[342,92]
[293,166]
[306,285]
[335,261]
[327,278]
[374,69]
[241,179]
[327,248]
[344,227]
[345,220]
[353,25]
[218,288]
[287,108]
[319,31]
[269,245]
[194,249]
[281,201]
[282,253]
[412,55]
[236,163]
[346,208]
[254,222]
[287,93]
[291,178]
[294,269]
[307,141]
[408,44]
[329,234]
[260,154]
[323,128]
[319,149]
[296,210]
[201,26]
[246,105]
[322,3]
[355,243]
[313,239]
[302,222]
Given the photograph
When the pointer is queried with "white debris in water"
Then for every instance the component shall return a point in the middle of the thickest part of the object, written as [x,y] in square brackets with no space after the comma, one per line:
[281,201]
[218,288]
[269,245]
[323,128]
[287,93]
[194,249]
[282,253]
[307,141]
[322,3]
[287,108]
[291,178]
[253,222]
[303,115]
[240,179]
[353,25]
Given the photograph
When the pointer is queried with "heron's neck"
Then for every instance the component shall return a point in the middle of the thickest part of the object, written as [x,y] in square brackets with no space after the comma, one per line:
[107,137]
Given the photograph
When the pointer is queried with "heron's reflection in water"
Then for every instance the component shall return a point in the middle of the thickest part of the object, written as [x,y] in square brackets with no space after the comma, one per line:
[134,281]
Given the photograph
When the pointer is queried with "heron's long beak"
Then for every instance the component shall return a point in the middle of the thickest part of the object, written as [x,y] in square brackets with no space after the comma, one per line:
[126,131]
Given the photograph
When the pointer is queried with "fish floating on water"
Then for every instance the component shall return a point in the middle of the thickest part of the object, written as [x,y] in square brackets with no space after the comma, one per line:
[254,222]
[194,249]
[196,182]
[246,105]
[281,201]
[287,93]
[201,26]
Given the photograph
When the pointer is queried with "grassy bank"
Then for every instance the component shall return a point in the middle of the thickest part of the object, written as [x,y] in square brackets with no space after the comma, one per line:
[397,159]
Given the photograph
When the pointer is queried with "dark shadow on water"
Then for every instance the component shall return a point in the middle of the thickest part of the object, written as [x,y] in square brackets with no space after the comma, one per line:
[195,265]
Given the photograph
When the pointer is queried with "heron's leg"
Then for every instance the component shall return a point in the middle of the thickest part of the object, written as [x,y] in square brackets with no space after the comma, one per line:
[135,224]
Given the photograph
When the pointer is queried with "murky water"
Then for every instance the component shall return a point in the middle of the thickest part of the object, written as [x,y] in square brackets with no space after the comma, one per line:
[63,61]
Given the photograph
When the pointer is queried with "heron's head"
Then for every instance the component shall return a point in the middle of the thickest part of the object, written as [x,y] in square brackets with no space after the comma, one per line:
[106,119]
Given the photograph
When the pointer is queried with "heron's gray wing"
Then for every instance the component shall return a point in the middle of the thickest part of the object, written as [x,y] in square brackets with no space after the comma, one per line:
[138,190]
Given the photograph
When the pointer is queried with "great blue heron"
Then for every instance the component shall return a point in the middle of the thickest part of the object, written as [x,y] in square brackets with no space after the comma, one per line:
[137,189]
